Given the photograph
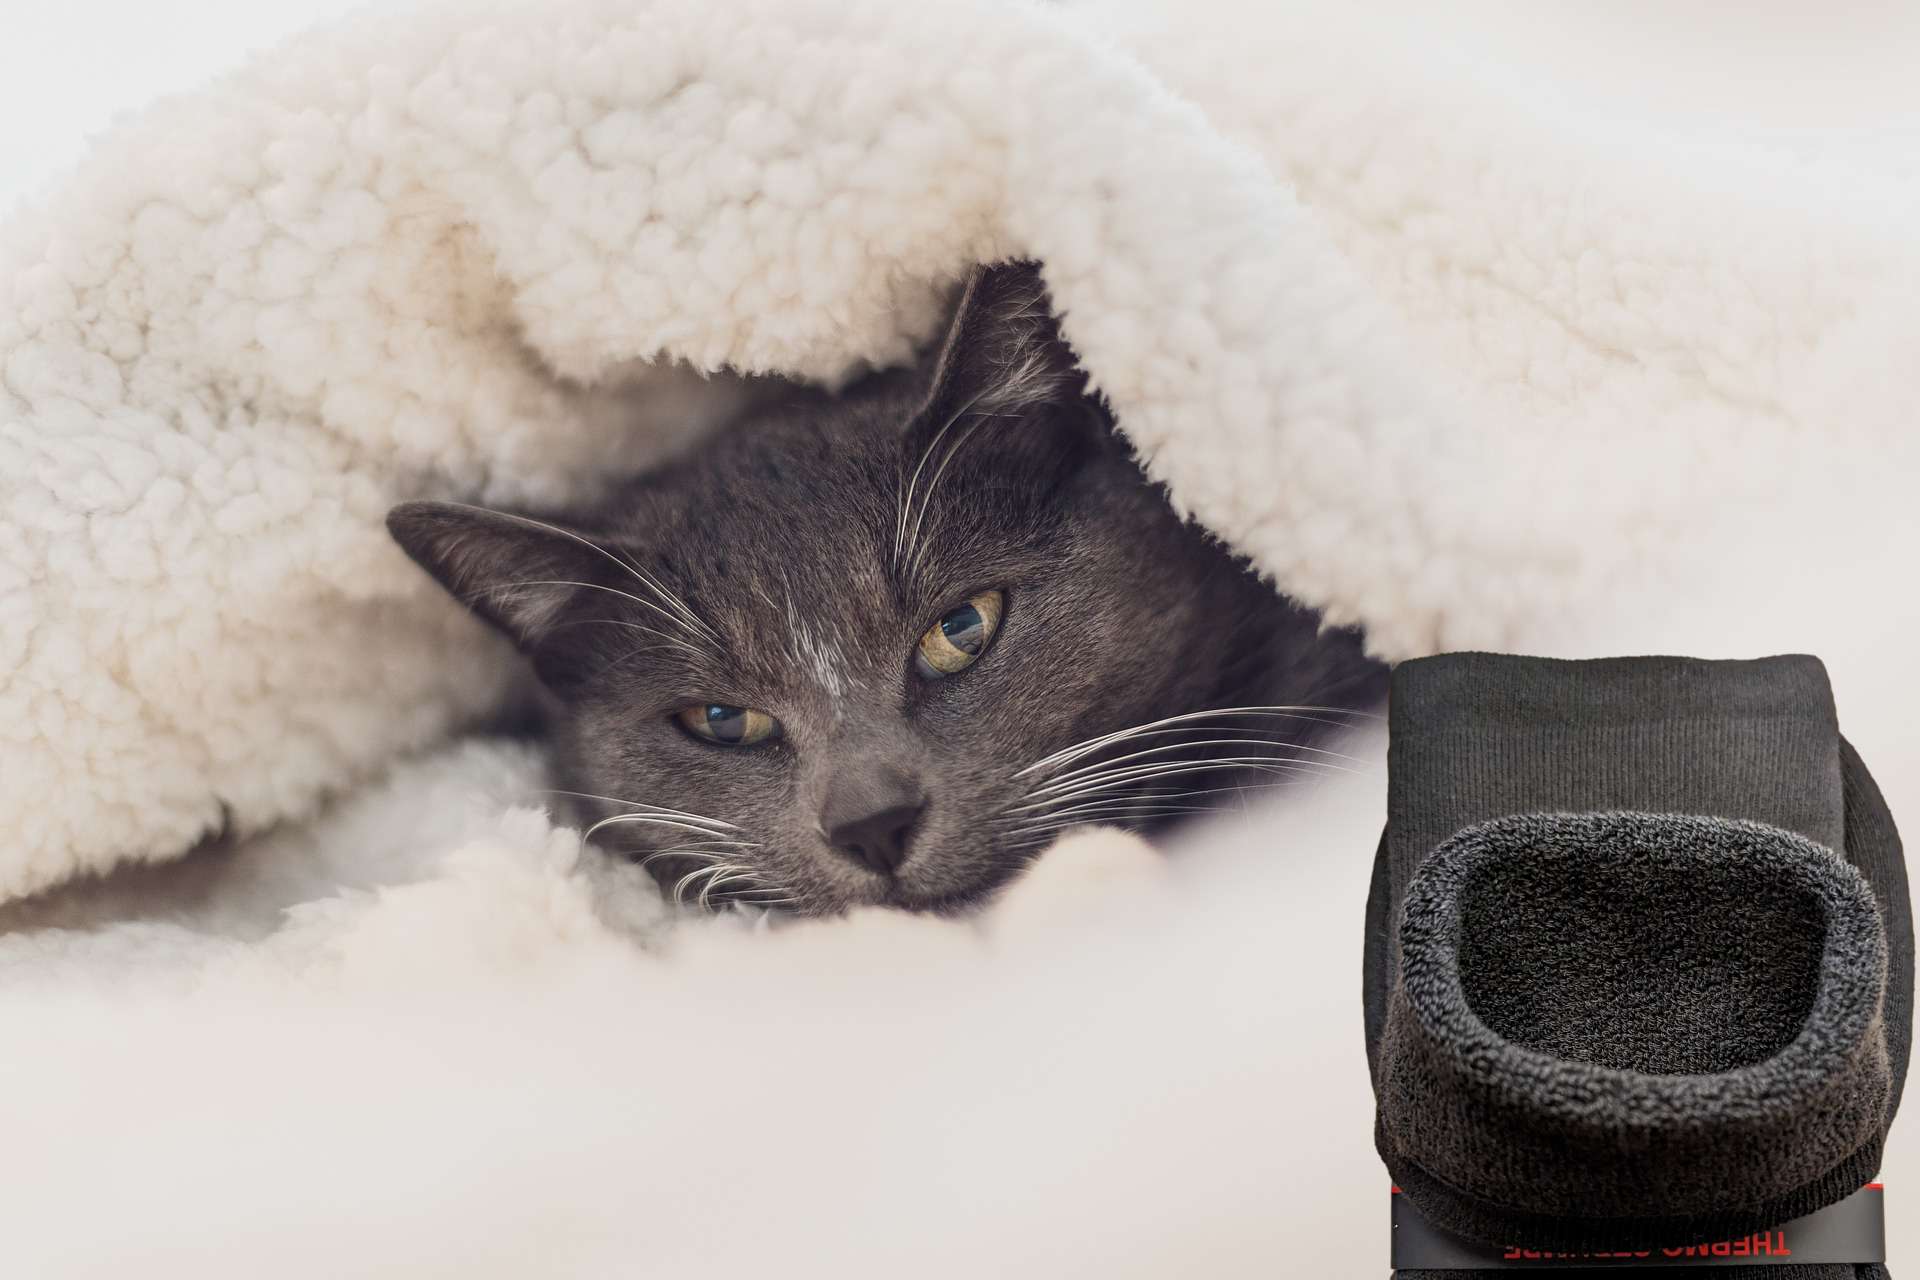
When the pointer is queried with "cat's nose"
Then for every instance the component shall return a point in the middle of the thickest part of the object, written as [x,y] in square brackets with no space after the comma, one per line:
[870,816]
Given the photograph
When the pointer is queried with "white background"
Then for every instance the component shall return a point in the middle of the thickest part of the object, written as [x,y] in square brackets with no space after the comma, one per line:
[68,67]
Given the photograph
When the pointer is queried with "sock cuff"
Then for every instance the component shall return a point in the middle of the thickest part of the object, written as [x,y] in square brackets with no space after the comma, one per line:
[1508,690]
[1487,1100]
[1479,735]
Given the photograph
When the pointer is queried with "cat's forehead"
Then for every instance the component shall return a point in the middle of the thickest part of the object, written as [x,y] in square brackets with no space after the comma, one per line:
[788,492]
[778,535]
[816,543]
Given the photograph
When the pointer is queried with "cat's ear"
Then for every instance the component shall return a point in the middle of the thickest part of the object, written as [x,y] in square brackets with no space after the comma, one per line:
[1003,353]
[514,571]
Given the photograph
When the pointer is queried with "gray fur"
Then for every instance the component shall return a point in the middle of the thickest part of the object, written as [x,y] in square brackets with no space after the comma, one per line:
[792,564]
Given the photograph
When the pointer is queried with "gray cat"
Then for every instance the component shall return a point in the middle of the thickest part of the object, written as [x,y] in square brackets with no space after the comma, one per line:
[881,647]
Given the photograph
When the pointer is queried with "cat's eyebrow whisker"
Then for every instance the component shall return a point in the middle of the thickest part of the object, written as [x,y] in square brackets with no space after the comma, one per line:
[906,497]
[917,548]
[1059,780]
[1315,715]
[679,606]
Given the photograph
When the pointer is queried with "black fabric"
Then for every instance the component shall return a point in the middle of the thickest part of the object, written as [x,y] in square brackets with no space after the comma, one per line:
[1654,971]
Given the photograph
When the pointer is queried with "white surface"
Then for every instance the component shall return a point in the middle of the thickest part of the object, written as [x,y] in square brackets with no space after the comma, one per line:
[467,1073]
[67,70]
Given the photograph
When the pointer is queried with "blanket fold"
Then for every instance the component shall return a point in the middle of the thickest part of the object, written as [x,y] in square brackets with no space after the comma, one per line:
[445,255]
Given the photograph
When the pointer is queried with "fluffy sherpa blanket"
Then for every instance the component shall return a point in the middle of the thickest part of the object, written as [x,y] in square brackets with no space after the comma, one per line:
[1469,366]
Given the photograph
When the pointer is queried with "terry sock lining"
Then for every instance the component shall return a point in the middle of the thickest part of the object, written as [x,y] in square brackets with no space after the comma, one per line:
[1478,737]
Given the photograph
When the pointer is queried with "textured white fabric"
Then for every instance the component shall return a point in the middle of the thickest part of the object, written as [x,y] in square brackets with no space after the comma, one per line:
[1473,375]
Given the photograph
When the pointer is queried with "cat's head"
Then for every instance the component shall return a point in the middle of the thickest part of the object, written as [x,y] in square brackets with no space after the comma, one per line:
[865,648]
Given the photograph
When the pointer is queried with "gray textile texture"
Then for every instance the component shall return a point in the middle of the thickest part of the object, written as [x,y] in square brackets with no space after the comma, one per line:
[1620,986]
[1635,1016]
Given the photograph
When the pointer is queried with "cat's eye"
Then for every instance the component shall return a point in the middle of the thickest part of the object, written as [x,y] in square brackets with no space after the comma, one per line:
[728,726]
[956,641]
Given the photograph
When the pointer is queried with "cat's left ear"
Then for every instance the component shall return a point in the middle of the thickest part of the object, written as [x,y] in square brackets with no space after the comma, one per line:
[1003,359]
[514,571]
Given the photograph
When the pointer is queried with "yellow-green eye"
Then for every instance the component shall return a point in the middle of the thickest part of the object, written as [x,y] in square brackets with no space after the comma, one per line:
[956,641]
[728,726]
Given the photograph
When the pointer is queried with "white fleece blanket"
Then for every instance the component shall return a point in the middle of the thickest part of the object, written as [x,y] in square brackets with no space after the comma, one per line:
[1469,362]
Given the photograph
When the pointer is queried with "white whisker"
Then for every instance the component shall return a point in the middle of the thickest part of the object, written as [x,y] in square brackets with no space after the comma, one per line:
[714,848]
[1146,774]
[739,898]
[1315,715]
[1110,804]
[1104,809]
[1243,741]
[1121,814]
[739,873]
[1152,768]
[678,851]
[906,500]
[637,804]
[686,614]
[916,547]
[1172,769]
[587,586]
[680,885]
[1042,828]
[647,819]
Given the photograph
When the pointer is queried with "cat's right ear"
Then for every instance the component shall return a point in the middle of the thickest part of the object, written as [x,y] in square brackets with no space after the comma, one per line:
[1004,365]
[1003,354]
[514,571]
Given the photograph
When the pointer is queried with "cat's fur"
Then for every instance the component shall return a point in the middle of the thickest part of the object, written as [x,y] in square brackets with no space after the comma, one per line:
[792,564]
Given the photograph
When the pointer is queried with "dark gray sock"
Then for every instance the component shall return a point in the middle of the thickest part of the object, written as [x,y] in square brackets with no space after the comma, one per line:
[1611,1023]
